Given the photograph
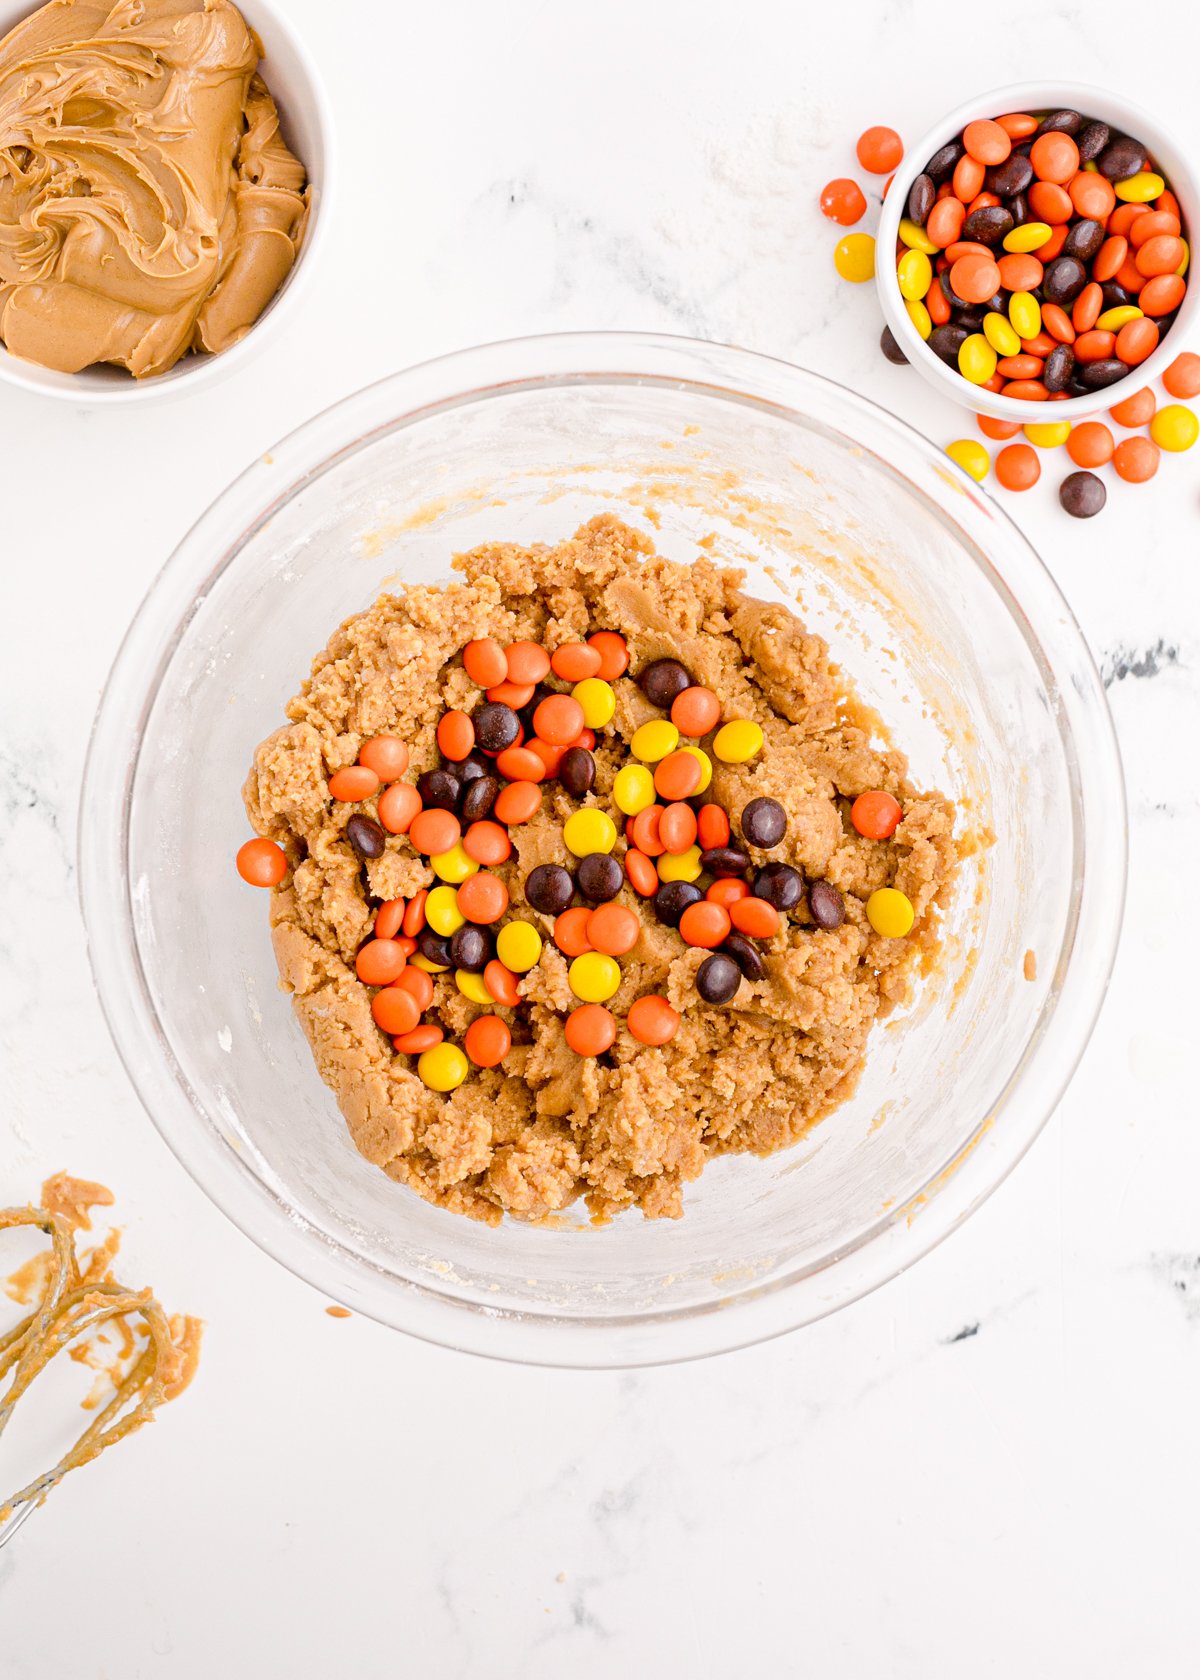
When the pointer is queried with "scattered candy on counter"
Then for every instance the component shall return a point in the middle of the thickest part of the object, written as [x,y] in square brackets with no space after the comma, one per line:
[1042,256]
[459,817]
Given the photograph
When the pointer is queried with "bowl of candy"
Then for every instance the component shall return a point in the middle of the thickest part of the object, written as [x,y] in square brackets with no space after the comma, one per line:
[1042,244]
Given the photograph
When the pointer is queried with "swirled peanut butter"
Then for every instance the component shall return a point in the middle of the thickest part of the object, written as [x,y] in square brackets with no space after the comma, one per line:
[148,204]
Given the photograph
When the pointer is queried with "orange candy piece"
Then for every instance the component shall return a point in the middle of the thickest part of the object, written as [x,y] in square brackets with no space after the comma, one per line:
[395,1010]
[642,875]
[397,807]
[1138,409]
[517,803]
[1160,255]
[389,918]
[1019,367]
[944,226]
[651,1020]
[558,720]
[417,983]
[485,662]
[1020,271]
[676,777]
[590,1029]
[527,663]
[987,141]
[380,962]
[486,842]
[1017,467]
[1162,294]
[1058,323]
[876,814]
[520,764]
[414,915]
[712,827]
[420,1039]
[1135,459]
[483,898]
[967,180]
[997,428]
[727,891]
[501,982]
[1095,345]
[879,150]
[1108,259]
[1018,125]
[695,712]
[973,278]
[487,1040]
[1091,444]
[1154,222]
[1086,309]
[387,755]
[644,831]
[754,916]
[1182,378]
[842,201]
[1049,203]
[1137,340]
[551,757]
[677,828]
[1092,195]
[571,931]
[261,863]
[614,654]
[613,929]
[434,831]
[705,924]
[1058,238]
[1055,157]
[575,661]
[357,781]
[455,736]
[1026,390]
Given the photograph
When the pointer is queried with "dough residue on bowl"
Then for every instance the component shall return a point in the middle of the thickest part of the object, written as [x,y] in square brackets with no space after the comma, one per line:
[632,1127]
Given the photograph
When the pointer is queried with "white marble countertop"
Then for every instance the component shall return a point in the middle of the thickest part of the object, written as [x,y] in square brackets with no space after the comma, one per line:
[988,1467]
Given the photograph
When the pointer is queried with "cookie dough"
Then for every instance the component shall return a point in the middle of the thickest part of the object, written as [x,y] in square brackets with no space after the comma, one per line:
[148,205]
[629,1129]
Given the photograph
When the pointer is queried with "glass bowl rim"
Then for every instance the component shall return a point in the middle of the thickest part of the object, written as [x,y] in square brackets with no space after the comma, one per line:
[902,1235]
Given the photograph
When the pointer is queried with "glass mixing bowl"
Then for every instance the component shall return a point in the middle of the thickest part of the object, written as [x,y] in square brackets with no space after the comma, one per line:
[937,610]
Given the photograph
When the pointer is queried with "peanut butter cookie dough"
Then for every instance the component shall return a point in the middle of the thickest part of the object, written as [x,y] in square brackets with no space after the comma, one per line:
[628,1128]
[148,204]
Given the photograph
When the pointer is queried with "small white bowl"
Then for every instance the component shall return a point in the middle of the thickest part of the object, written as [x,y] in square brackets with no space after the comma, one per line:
[307,123]
[1036,96]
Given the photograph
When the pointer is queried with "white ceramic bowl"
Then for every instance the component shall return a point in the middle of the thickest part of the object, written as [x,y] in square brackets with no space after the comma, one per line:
[307,123]
[1036,96]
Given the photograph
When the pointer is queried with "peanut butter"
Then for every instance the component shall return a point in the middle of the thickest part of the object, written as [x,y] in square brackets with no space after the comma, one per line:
[148,203]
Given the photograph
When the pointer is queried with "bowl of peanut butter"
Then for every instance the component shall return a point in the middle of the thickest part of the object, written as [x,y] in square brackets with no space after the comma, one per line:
[164,177]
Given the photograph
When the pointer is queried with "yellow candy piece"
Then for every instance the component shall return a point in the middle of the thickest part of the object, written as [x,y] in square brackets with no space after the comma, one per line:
[914,273]
[890,913]
[519,945]
[443,1068]
[854,257]
[593,977]
[706,768]
[654,740]
[472,986]
[1113,320]
[597,699]
[976,359]
[919,316]
[633,789]
[1001,334]
[588,831]
[916,238]
[680,866]
[418,961]
[1025,313]
[1142,188]
[1174,428]
[1030,236]
[1047,434]
[442,912]
[1185,259]
[454,865]
[971,456]
[738,741]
